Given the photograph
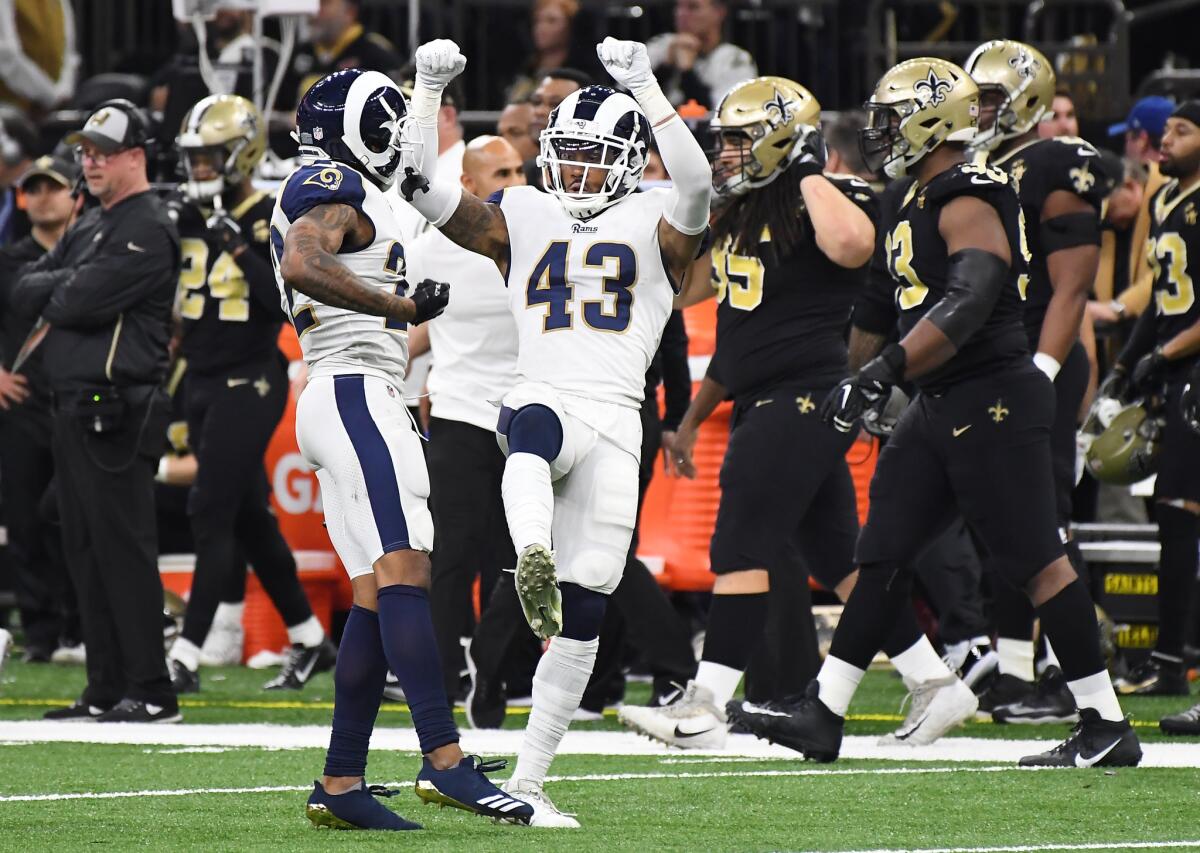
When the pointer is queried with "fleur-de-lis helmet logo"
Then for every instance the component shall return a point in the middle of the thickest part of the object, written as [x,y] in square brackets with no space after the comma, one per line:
[933,89]
[779,109]
[1024,63]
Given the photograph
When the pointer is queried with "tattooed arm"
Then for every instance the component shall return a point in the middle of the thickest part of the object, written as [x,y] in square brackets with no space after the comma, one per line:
[310,263]
[481,228]
[864,346]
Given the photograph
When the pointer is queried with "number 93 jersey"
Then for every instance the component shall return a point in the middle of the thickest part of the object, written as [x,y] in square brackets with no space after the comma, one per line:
[1173,245]
[337,340]
[590,298]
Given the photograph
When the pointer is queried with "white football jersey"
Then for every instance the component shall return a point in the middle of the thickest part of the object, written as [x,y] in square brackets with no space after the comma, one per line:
[337,340]
[590,299]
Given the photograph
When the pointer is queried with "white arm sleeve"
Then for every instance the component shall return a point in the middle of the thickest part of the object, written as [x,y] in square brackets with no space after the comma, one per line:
[687,207]
[439,201]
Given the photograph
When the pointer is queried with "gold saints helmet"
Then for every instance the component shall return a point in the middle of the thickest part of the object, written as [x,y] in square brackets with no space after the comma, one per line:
[221,140]
[1019,79]
[916,106]
[773,113]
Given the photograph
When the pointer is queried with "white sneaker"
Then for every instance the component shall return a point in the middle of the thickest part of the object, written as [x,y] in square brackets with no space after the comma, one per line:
[223,645]
[938,705]
[76,655]
[545,813]
[6,644]
[692,721]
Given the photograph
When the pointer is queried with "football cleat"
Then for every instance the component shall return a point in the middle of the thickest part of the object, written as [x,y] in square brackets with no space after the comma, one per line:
[302,663]
[1154,677]
[183,680]
[537,589]
[1093,743]
[546,815]
[805,724]
[76,655]
[136,711]
[6,644]
[1003,690]
[692,721]
[974,661]
[938,705]
[354,809]
[79,712]
[1050,702]
[1184,723]
[486,704]
[392,691]
[223,645]
[465,787]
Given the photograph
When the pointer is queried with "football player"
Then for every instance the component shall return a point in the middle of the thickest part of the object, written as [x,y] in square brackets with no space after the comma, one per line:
[792,247]
[591,268]
[237,384]
[1161,350]
[1061,184]
[977,437]
[341,273]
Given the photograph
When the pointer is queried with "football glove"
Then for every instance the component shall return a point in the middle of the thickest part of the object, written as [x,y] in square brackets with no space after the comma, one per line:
[438,62]
[430,298]
[1116,385]
[869,387]
[227,232]
[1149,370]
[627,62]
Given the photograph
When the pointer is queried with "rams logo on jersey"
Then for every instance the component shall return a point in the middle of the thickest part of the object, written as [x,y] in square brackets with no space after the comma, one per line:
[329,179]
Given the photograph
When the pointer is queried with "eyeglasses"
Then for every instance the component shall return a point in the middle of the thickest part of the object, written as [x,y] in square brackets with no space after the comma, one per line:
[96,157]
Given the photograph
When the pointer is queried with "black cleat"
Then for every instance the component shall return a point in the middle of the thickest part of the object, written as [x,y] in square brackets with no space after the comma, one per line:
[80,712]
[136,711]
[804,724]
[1051,702]
[465,786]
[1154,677]
[486,703]
[183,680]
[302,663]
[1184,723]
[975,662]
[1093,743]
[356,809]
[1004,689]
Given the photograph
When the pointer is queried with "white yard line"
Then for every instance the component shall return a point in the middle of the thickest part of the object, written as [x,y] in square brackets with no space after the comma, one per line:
[1032,848]
[508,741]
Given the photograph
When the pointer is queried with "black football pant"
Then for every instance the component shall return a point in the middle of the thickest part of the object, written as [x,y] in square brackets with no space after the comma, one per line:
[471,537]
[105,486]
[231,418]
[952,575]
[41,584]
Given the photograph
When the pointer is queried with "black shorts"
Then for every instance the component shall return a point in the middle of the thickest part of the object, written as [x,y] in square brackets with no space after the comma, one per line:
[785,483]
[983,449]
[1179,459]
[1069,387]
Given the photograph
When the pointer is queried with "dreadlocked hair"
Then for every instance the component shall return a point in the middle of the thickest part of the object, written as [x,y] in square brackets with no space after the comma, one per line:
[778,206]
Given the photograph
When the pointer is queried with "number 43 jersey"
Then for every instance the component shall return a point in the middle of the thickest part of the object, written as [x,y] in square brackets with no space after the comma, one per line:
[590,298]
[917,260]
[338,340]
[1173,244]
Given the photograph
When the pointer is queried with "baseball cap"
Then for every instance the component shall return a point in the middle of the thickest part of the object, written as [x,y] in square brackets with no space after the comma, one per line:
[111,128]
[58,169]
[1149,114]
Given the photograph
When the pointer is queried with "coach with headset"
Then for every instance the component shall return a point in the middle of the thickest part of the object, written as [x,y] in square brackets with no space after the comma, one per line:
[105,295]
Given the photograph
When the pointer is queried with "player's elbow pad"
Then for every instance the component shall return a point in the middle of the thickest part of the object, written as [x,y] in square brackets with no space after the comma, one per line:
[1070,230]
[972,287]
[691,177]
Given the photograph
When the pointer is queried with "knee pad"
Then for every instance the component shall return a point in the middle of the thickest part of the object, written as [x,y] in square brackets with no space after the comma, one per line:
[532,420]
[583,611]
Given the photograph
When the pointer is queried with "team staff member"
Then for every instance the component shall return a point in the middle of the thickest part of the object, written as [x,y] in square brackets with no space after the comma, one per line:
[106,292]
[237,386]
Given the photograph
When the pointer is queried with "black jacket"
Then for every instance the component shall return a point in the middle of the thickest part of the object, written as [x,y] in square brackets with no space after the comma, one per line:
[14,327]
[106,290]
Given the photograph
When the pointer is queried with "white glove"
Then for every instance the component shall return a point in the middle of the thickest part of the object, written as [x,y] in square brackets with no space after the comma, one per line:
[438,62]
[627,62]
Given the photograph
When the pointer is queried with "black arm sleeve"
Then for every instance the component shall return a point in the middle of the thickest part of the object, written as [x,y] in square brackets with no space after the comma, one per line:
[1070,230]
[1141,339]
[255,264]
[972,288]
[676,373]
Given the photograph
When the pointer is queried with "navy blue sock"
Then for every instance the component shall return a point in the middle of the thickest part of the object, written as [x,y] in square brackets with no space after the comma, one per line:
[583,611]
[406,627]
[358,683]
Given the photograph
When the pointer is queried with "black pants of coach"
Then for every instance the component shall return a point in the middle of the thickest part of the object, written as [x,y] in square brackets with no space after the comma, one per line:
[231,418]
[105,486]
[470,533]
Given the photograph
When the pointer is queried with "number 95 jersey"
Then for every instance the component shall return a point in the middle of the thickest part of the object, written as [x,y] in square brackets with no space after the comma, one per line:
[590,298]
[337,340]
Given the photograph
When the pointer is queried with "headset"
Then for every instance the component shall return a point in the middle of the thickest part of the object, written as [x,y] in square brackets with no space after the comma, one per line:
[138,135]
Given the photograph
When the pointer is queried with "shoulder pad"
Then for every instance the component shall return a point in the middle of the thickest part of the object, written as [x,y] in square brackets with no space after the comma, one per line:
[496,197]
[1075,166]
[965,179]
[321,183]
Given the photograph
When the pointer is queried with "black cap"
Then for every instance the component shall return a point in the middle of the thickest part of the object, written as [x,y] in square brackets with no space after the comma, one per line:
[1189,110]
[58,169]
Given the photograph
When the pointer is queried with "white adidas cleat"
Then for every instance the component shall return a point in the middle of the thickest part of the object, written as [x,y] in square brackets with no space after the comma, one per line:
[546,815]
[938,705]
[692,721]
[223,645]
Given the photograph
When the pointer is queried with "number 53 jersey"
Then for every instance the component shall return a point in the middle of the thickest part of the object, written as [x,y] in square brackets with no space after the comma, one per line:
[590,298]
[1173,244]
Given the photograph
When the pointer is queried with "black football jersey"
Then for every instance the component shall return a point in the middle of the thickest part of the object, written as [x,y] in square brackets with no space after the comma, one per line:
[1173,250]
[228,320]
[917,261]
[1037,169]
[783,320]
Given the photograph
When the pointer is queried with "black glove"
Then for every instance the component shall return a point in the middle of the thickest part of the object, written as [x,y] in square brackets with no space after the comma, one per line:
[226,231]
[1149,370]
[414,182]
[869,387]
[1116,385]
[430,297]
[808,152]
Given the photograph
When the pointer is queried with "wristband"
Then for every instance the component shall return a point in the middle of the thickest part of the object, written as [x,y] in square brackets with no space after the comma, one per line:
[161,475]
[1047,363]
[655,104]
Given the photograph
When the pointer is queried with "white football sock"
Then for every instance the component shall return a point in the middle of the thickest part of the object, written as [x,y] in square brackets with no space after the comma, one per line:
[186,652]
[229,613]
[308,633]
[528,500]
[720,679]
[558,685]
[1096,691]
[920,663]
[1051,659]
[838,681]
[1016,657]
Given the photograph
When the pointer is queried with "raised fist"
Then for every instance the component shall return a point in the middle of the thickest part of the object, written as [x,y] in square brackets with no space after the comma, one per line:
[438,62]
[627,62]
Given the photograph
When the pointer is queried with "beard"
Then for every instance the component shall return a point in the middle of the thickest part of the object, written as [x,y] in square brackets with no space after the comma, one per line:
[1181,167]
